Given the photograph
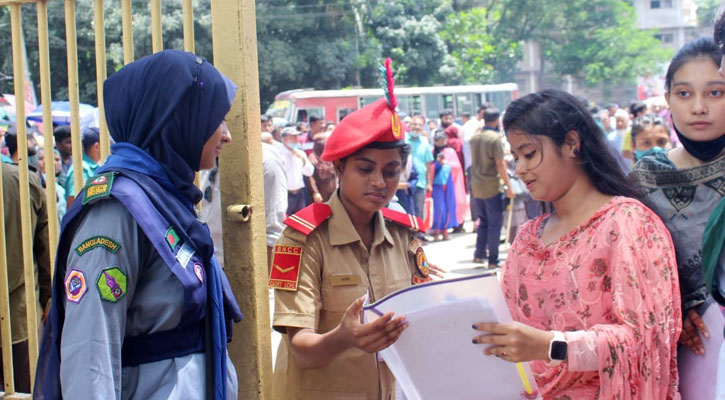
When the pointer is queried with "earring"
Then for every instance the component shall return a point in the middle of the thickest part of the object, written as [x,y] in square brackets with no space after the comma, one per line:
[576,152]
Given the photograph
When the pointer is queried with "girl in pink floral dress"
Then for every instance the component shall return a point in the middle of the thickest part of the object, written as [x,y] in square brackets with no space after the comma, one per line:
[593,286]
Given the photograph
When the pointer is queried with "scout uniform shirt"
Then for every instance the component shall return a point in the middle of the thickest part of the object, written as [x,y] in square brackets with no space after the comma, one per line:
[334,269]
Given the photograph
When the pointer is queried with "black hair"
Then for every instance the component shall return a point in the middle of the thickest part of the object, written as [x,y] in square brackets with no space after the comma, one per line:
[554,113]
[645,121]
[265,118]
[466,114]
[719,32]
[11,140]
[90,137]
[482,107]
[313,119]
[445,112]
[299,125]
[637,107]
[702,47]
[491,114]
[61,133]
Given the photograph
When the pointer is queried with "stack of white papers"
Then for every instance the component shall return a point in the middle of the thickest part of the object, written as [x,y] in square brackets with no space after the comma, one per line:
[434,357]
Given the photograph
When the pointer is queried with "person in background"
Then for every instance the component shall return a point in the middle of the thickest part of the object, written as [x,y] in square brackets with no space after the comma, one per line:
[64,145]
[488,171]
[469,129]
[649,133]
[636,110]
[444,194]
[592,287]
[11,140]
[329,127]
[296,167]
[60,206]
[683,185]
[16,270]
[324,176]
[422,154]
[91,157]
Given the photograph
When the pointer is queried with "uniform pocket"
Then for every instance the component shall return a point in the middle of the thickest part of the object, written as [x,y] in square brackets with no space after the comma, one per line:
[339,298]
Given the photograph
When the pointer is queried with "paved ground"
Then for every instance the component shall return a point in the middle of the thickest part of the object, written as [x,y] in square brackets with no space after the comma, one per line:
[455,255]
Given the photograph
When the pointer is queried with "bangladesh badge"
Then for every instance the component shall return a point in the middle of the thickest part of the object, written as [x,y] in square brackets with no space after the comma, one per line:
[421,263]
[172,238]
[112,284]
[75,286]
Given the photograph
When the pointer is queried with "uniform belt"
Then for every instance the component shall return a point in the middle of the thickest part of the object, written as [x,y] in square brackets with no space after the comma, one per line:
[163,345]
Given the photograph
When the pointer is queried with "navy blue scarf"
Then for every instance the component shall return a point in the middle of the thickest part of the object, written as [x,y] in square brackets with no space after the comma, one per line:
[160,111]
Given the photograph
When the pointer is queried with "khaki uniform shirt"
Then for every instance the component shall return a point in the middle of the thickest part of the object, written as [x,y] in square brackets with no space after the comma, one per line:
[486,148]
[333,255]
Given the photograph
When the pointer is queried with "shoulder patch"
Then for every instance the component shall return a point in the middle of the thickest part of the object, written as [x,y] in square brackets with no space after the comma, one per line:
[97,241]
[285,267]
[98,187]
[111,284]
[421,263]
[75,286]
[407,220]
[309,218]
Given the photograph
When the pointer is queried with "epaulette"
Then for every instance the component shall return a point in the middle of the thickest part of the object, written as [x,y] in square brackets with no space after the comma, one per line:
[309,218]
[98,187]
[407,220]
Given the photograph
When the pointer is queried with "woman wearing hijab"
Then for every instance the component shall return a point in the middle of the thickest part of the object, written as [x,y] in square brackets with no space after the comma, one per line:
[141,309]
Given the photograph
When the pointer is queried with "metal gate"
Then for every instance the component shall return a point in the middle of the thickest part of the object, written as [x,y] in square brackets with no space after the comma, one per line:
[234,39]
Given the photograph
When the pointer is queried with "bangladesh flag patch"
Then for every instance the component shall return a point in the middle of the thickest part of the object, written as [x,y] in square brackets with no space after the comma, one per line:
[172,238]
[111,284]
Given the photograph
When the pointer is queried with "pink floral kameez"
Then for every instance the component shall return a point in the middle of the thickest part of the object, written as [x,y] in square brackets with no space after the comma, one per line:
[611,285]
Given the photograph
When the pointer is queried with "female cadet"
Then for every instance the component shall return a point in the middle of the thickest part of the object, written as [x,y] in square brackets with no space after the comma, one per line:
[332,254]
[140,308]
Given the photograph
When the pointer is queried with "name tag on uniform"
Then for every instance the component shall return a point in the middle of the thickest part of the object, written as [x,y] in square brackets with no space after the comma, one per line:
[344,279]
[183,256]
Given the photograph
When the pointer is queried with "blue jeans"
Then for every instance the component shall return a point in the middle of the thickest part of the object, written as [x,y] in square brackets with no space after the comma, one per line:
[419,202]
[490,214]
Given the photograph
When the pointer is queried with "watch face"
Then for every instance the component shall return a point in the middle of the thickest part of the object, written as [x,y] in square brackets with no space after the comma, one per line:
[558,350]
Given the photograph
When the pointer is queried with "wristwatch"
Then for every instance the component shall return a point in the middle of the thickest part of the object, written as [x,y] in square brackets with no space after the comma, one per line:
[557,348]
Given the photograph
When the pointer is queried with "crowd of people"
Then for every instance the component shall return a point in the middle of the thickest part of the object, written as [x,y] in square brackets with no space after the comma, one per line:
[617,226]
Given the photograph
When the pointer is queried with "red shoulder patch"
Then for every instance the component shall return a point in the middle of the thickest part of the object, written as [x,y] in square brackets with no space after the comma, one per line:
[309,218]
[285,267]
[407,220]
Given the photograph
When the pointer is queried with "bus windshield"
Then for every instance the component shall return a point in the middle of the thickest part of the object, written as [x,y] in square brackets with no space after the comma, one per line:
[279,109]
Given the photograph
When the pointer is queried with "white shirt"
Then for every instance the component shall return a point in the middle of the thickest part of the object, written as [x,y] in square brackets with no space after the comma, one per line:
[469,128]
[296,169]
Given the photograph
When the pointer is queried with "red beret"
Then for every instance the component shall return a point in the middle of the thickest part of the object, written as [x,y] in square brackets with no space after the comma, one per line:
[375,122]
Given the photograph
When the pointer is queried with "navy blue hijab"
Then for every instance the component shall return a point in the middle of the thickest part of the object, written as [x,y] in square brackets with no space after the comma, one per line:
[160,110]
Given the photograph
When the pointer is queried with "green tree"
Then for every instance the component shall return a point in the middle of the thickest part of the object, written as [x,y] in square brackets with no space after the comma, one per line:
[707,11]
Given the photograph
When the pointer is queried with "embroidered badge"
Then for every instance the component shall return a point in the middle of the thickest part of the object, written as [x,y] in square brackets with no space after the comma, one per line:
[183,256]
[421,262]
[172,238]
[75,286]
[285,267]
[97,241]
[112,284]
[417,280]
[396,125]
[199,272]
[98,187]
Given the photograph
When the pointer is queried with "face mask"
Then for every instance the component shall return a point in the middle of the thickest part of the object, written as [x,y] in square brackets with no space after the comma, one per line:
[641,153]
[292,146]
[414,134]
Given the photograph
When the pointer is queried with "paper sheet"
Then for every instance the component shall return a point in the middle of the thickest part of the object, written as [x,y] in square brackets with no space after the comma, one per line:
[435,358]
[698,373]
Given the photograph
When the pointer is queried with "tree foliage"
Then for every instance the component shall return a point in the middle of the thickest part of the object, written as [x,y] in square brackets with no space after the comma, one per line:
[330,44]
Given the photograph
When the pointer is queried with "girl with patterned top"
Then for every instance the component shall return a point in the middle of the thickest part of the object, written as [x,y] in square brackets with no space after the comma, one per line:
[684,185]
[592,286]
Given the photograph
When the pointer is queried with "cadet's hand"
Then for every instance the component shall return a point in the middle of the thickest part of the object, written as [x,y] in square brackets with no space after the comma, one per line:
[515,342]
[317,197]
[436,270]
[510,193]
[690,337]
[373,336]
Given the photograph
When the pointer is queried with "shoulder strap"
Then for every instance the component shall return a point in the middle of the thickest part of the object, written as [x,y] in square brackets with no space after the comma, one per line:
[309,218]
[407,220]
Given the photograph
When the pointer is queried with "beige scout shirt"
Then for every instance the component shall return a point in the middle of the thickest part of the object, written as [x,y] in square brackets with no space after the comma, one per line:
[333,251]
[486,148]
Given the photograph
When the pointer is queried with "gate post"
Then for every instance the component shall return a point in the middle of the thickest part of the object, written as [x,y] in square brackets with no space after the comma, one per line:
[234,37]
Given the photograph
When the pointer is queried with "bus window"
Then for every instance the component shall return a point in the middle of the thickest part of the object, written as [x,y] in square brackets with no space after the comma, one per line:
[447,102]
[279,109]
[464,104]
[367,100]
[342,112]
[432,106]
[304,113]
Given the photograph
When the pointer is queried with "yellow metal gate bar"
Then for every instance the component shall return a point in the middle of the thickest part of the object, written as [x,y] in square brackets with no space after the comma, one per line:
[27,237]
[75,122]
[100,36]
[157,41]
[126,22]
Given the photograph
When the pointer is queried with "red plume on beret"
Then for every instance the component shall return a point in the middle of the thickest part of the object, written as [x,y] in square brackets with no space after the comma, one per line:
[375,123]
